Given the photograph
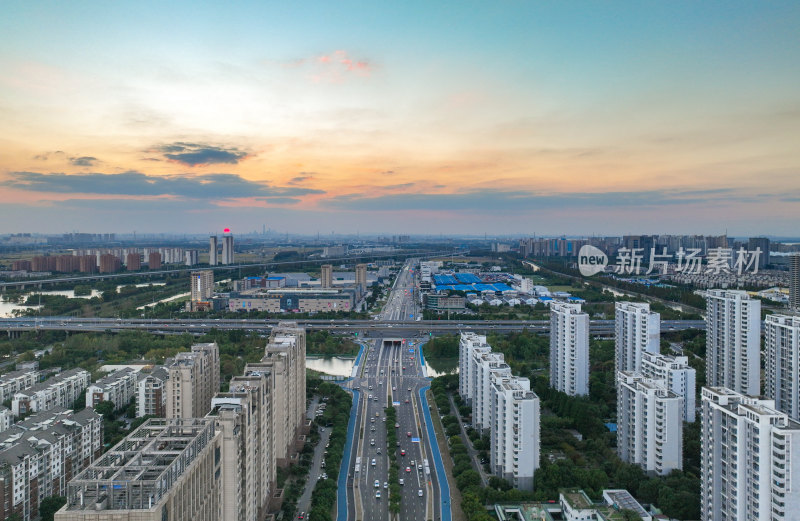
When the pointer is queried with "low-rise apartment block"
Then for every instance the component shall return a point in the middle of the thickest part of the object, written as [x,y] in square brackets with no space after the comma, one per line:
[118,388]
[15,381]
[39,455]
[151,393]
[59,391]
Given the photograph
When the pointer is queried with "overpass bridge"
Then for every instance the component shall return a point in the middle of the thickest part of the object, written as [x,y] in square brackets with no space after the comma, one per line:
[367,328]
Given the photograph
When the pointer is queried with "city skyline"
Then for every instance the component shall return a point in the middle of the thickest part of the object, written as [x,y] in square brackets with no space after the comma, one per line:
[582,119]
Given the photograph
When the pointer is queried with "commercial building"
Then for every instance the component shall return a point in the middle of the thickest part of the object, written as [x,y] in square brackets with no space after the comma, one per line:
[59,391]
[569,349]
[299,300]
[733,341]
[227,249]
[637,330]
[649,424]
[443,303]
[193,381]
[202,285]
[677,375]
[750,457]
[285,360]
[326,276]
[243,417]
[782,367]
[118,388]
[39,455]
[212,250]
[15,381]
[361,277]
[167,469]
[133,262]
[515,435]
[794,281]
[151,393]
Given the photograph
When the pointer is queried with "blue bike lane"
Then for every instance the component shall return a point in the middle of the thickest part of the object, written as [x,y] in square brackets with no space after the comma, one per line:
[444,486]
[341,492]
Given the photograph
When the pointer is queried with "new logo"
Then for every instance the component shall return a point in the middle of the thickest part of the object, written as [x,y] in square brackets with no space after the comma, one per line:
[591,260]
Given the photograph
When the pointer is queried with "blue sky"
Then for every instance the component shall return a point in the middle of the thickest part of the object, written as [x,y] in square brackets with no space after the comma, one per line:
[531,117]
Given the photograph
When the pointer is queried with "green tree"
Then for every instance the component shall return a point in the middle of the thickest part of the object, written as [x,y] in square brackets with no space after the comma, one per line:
[50,505]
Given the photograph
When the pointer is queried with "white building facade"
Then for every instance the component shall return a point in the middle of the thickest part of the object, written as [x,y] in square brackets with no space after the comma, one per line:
[782,367]
[515,436]
[569,349]
[679,377]
[59,391]
[637,331]
[733,341]
[118,388]
[750,459]
[649,424]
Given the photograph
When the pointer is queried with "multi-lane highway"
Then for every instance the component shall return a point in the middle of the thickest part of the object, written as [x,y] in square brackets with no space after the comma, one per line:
[391,375]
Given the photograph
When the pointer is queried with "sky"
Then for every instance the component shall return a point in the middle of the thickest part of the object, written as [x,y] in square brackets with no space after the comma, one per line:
[529,117]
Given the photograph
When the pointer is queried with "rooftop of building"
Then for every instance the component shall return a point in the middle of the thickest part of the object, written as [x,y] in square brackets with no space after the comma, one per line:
[142,468]
[16,374]
[621,499]
[115,377]
[576,499]
[58,378]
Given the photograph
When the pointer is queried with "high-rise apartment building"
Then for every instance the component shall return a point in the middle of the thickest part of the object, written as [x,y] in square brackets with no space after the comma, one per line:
[167,469]
[133,262]
[59,391]
[202,285]
[503,404]
[109,263]
[151,393]
[649,424]
[190,257]
[361,277]
[193,381]
[285,359]
[794,281]
[468,343]
[39,455]
[154,261]
[733,341]
[678,377]
[515,434]
[487,367]
[637,331]
[227,249]
[118,388]
[326,276]
[782,367]
[750,457]
[212,250]
[760,243]
[243,417]
[569,349]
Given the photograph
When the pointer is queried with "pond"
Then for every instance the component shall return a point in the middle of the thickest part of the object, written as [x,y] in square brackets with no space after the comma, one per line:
[7,308]
[442,367]
[333,365]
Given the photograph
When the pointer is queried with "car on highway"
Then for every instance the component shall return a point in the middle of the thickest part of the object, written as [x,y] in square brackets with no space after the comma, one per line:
[377,483]
[409,389]
[419,467]
[373,462]
[396,425]
[402,452]
[378,494]
[372,442]
[401,481]
[407,400]
[419,492]
[385,485]
[379,450]
[408,434]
